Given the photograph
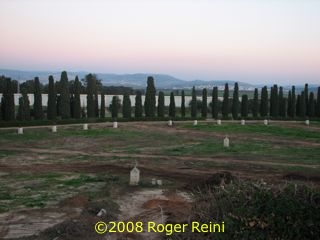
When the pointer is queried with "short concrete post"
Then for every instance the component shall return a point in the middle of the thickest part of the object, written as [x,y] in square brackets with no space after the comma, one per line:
[170,123]
[307,122]
[153,181]
[159,182]
[195,122]
[115,125]
[265,122]
[54,128]
[20,130]
[85,126]
[243,122]
[219,122]
[226,142]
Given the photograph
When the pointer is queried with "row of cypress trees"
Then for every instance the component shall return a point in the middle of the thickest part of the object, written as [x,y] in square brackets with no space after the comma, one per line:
[65,103]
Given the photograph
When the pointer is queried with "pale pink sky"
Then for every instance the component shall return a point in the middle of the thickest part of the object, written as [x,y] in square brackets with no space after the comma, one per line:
[245,40]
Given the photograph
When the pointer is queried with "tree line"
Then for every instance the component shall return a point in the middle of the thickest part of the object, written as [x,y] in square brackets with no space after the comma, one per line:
[64,102]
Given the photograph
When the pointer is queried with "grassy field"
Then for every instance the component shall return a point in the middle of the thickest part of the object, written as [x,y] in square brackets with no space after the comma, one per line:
[41,170]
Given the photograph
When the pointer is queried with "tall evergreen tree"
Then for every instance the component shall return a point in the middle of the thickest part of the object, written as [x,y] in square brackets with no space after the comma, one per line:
[289,107]
[255,104]
[76,102]
[161,105]
[306,95]
[114,107]
[37,106]
[150,100]
[24,107]
[138,106]
[96,105]
[298,105]
[264,102]
[302,108]
[91,88]
[64,106]
[282,103]
[183,105]
[103,105]
[274,102]
[72,105]
[194,103]
[311,105]
[52,100]
[215,103]
[204,106]
[318,103]
[225,103]
[126,106]
[235,102]
[293,102]
[8,100]
[244,106]
[2,109]
[172,106]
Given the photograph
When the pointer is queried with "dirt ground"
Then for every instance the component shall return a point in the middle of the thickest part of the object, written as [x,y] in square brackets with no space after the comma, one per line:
[73,214]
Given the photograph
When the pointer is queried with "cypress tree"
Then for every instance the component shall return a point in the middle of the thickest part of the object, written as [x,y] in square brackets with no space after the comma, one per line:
[114,107]
[318,103]
[289,109]
[298,105]
[302,108]
[2,108]
[274,102]
[161,105]
[126,107]
[37,106]
[306,94]
[58,105]
[172,106]
[138,106]
[255,104]
[293,102]
[264,102]
[194,103]
[285,105]
[91,85]
[235,102]
[64,107]
[96,105]
[225,103]
[76,101]
[215,103]
[150,100]
[204,106]
[52,100]
[8,100]
[282,107]
[244,106]
[24,103]
[183,105]
[311,105]
[20,114]
[71,105]
[103,106]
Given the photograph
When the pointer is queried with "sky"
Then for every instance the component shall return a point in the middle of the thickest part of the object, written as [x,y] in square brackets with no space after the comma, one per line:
[254,41]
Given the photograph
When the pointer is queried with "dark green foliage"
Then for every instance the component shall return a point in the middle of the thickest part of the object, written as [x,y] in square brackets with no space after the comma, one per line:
[255,104]
[183,105]
[274,101]
[306,95]
[172,106]
[138,109]
[244,106]
[225,103]
[150,100]
[76,101]
[7,103]
[114,107]
[64,106]
[289,103]
[235,102]
[264,102]
[293,102]
[126,106]
[24,108]
[91,89]
[194,103]
[318,103]
[161,104]
[204,106]
[2,109]
[298,105]
[103,106]
[96,105]
[52,100]
[71,105]
[215,103]
[282,103]
[37,106]
[302,105]
[311,105]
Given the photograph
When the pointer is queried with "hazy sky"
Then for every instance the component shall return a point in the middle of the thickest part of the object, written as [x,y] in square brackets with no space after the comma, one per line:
[257,41]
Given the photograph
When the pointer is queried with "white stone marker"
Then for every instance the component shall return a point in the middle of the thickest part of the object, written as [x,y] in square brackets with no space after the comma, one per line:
[243,122]
[85,126]
[265,122]
[195,122]
[153,181]
[54,128]
[226,142]
[134,176]
[115,125]
[307,122]
[170,123]
[20,130]
[159,182]
[219,122]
